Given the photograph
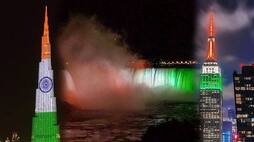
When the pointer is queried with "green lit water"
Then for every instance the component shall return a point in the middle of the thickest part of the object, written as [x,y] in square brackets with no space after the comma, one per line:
[179,79]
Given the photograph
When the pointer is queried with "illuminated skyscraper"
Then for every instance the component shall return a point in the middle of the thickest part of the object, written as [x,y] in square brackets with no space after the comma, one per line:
[210,101]
[44,127]
[227,131]
[244,103]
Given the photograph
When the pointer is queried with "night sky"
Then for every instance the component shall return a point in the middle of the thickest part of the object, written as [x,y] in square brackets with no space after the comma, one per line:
[153,29]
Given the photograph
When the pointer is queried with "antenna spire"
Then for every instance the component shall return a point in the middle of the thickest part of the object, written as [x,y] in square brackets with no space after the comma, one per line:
[211,39]
[45,44]
[211,25]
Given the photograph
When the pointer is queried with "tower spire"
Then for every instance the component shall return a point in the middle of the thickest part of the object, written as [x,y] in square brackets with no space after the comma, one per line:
[45,44]
[211,39]
[211,25]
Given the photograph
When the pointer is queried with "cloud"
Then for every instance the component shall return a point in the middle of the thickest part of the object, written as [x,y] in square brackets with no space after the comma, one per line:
[228,92]
[226,22]
[232,29]
[229,59]
[252,33]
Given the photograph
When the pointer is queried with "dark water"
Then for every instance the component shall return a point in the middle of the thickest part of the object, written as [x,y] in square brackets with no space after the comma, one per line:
[127,126]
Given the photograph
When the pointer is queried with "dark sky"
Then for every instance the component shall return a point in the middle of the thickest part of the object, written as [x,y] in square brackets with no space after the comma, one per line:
[152,28]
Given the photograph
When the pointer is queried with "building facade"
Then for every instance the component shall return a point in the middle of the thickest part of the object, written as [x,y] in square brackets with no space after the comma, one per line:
[210,101]
[227,135]
[44,125]
[244,103]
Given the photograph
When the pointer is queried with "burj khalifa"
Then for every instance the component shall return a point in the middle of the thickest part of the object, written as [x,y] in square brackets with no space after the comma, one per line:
[44,125]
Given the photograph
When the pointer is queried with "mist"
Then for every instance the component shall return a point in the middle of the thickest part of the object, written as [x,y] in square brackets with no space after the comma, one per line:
[96,73]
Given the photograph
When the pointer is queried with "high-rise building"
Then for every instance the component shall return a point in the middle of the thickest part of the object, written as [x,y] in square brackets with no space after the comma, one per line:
[227,131]
[44,125]
[232,119]
[231,113]
[244,103]
[210,101]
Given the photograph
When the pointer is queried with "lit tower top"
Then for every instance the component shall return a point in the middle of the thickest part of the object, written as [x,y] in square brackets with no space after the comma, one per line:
[211,25]
[45,44]
[211,40]
[210,66]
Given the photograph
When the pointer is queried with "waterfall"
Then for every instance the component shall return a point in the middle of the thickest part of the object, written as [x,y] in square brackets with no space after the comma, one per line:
[179,79]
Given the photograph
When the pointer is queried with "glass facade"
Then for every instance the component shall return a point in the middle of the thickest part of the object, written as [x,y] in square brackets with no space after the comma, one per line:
[226,136]
[244,103]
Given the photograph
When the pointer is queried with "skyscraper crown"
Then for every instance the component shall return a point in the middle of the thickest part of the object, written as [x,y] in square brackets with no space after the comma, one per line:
[45,44]
[211,40]
[211,25]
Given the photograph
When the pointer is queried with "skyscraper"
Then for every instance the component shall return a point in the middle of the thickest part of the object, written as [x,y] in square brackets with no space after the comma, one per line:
[44,125]
[227,131]
[210,101]
[244,103]
[229,124]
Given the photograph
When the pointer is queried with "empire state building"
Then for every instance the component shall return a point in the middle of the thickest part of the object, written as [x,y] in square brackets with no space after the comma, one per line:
[210,101]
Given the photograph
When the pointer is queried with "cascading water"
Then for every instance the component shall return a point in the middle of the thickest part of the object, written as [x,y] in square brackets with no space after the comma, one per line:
[178,79]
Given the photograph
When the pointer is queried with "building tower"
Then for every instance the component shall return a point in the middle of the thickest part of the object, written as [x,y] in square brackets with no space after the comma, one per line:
[227,131]
[244,103]
[44,125]
[210,101]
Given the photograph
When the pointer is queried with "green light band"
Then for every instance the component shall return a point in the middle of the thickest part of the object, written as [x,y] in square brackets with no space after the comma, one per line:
[179,79]
[211,82]
[45,128]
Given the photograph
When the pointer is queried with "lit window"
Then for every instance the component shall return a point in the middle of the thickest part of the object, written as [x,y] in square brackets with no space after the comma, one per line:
[237,78]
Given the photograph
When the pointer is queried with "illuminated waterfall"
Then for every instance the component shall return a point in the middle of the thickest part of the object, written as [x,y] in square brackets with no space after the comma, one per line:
[179,79]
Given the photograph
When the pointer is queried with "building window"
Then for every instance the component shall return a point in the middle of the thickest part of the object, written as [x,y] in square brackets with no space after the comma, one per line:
[247,78]
[237,78]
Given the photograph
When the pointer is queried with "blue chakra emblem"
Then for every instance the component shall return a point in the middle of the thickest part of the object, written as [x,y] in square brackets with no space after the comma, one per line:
[45,84]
